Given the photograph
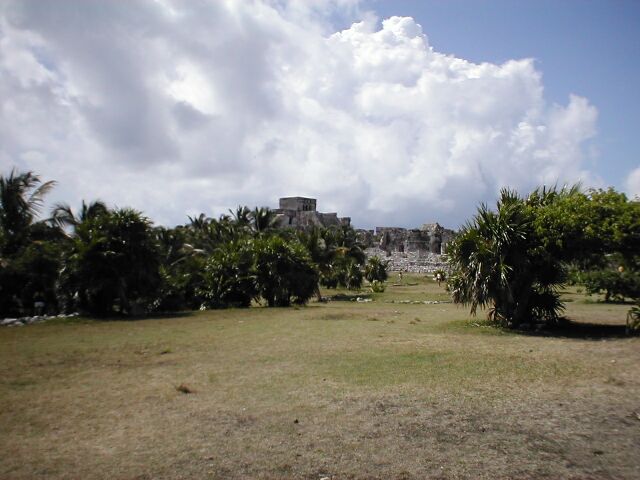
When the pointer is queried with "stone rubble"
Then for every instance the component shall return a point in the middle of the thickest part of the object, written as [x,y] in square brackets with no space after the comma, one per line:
[21,321]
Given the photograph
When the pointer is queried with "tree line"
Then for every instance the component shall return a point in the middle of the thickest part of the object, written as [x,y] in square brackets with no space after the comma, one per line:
[104,261]
[515,258]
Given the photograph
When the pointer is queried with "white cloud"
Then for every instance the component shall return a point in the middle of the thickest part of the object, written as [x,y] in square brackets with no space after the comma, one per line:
[633,184]
[180,107]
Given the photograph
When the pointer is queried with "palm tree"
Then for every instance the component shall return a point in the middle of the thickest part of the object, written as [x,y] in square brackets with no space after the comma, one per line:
[113,263]
[204,235]
[348,245]
[262,220]
[241,217]
[62,215]
[321,252]
[21,198]
[284,271]
[199,222]
[376,270]
[229,279]
[496,262]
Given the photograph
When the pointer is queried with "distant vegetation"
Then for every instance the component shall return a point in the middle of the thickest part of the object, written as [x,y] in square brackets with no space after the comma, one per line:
[514,260]
[106,261]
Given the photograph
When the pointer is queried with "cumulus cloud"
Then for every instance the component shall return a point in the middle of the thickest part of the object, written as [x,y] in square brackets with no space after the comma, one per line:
[181,107]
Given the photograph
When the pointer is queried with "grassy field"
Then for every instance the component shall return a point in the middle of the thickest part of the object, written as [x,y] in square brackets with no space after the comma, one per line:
[339,390]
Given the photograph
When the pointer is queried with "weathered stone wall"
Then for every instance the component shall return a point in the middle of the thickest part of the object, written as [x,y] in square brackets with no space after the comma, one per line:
[415,262]
[430,238]
[298,203]
[317,219]
[401,240]
[301,213]
[365,237]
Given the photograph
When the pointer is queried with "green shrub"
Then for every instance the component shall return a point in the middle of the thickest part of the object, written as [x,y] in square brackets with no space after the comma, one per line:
[229,276]
[376,269]
[284,272]
[353,276]
[377,286]
[616,285]
[113,264]
[633,320]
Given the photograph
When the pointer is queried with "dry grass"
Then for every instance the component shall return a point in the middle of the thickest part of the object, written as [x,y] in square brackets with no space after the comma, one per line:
[338,390]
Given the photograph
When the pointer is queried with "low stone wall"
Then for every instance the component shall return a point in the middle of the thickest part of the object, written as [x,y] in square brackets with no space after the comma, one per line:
[415,262]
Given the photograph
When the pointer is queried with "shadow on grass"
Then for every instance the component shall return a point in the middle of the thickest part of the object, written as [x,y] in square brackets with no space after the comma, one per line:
[344,297]
[579,330]
[592,301]
[565,329]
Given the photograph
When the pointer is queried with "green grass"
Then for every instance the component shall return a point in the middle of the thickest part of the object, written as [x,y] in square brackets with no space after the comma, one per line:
[353,390]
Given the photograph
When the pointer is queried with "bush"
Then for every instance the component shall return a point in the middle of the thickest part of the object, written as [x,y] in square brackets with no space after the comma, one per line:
[229,277]
[329,278]
[633,320]
[616,285]
[353,276]
[497,262]
[376,270]
[284,272]
[113,265]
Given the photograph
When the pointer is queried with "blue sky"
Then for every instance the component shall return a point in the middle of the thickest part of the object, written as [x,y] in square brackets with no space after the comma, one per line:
[586,47]
[395,113]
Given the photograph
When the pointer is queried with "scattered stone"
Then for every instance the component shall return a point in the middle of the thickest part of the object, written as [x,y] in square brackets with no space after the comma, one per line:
[8,322]
[182,388]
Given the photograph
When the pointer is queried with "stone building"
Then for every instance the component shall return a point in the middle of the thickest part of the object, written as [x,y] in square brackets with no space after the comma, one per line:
[417,250]
[300,212]
[412,250]
[430,238]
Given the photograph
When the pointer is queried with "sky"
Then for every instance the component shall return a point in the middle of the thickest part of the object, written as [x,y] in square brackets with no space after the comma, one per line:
[395,113]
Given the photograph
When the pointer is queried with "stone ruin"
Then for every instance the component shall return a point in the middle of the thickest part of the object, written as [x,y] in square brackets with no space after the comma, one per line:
[300,212]
[418,250]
